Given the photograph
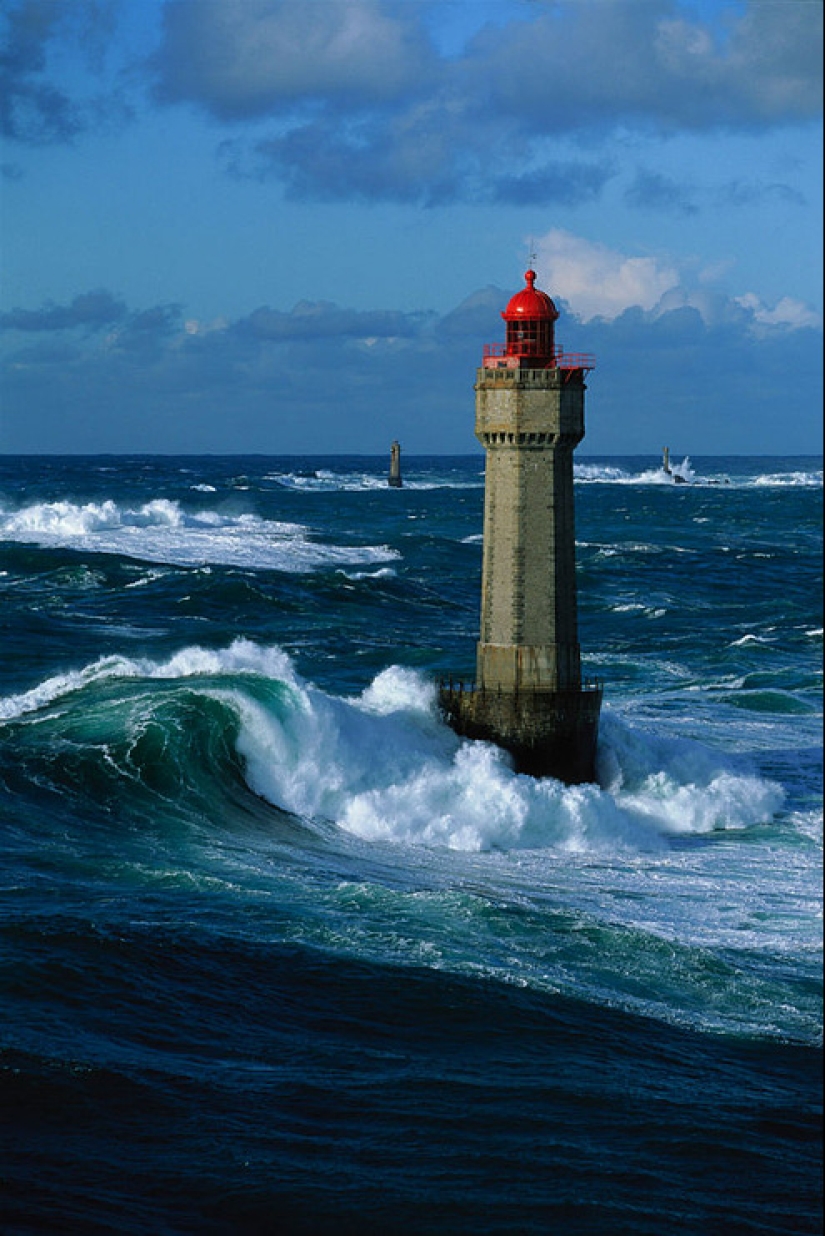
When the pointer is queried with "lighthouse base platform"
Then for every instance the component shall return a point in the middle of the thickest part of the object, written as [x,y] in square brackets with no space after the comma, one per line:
[547,733]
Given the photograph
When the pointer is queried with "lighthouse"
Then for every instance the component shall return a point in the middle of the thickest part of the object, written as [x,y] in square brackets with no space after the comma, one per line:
[394,478]
[529,696]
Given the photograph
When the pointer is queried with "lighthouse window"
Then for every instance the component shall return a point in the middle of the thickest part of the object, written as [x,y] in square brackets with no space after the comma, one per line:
[531,338]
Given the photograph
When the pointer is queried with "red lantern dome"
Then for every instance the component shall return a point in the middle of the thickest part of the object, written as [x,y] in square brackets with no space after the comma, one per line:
[530,304]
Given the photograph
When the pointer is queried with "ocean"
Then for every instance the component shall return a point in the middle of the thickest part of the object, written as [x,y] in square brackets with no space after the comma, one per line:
[281,954]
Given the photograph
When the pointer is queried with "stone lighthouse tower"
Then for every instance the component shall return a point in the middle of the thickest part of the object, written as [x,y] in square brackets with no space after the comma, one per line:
[528,696]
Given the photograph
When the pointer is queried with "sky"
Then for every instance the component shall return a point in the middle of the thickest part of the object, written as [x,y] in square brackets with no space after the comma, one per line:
[250,226]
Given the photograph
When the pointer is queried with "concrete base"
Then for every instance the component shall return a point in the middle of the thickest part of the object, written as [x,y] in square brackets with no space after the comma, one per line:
[548,733]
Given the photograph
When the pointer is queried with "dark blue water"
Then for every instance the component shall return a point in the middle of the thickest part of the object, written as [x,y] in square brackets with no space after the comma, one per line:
[281,955]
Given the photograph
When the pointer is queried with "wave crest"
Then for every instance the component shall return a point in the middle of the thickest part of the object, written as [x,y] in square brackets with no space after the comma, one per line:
[162,531]
[383,766]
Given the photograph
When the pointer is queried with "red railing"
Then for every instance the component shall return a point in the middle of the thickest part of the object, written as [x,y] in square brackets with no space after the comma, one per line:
[561,360]
[575,360]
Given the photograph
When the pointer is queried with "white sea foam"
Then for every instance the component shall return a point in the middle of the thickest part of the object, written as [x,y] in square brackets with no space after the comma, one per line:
[601,473]
[588,473]
[384,767]
[325,480]
[380,573]
[161,531]
[71,520]
[792,480]
[149,577]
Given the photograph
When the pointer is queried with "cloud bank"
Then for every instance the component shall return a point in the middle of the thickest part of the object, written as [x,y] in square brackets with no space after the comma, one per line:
[361,105]
[355,100]
[325,378]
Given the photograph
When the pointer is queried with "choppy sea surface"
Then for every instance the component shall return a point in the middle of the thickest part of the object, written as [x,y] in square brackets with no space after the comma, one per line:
[281,954]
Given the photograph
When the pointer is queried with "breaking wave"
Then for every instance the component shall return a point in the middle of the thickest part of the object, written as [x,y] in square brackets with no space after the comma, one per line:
[383,766]
[161,531]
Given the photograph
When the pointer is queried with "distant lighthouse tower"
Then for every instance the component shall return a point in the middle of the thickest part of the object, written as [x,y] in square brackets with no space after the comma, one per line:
[528,696]
[394,478]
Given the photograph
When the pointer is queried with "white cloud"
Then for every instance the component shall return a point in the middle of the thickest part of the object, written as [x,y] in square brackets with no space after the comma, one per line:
[787,312]
[597,281]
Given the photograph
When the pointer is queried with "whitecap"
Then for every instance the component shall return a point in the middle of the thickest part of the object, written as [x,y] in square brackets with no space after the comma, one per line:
[161,531]
[381,573]
[612,475]
[793,480]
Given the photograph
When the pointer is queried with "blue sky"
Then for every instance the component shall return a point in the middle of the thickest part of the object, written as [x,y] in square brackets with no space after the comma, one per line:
[254,226]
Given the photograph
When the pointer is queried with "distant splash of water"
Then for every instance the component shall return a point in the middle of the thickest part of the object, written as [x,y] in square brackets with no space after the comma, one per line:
[685,473]
[325,480]
[616,475]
